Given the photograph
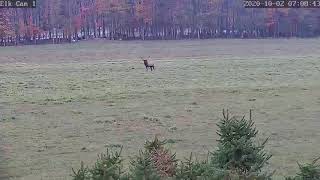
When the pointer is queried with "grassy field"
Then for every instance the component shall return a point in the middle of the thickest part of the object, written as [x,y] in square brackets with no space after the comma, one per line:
[62,104]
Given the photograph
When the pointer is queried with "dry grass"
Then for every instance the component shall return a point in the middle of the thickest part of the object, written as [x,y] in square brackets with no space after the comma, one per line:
[63,104]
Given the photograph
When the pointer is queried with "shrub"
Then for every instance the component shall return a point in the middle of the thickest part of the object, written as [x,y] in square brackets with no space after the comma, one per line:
[154,145]
[309,171]
[237,151]
[82,174]
[191,169]
[237,157]
[163,161]
[142,167]
[155,162]
[108,166]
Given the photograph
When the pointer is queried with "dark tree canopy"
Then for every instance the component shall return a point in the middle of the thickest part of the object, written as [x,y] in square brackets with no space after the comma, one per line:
[55,21]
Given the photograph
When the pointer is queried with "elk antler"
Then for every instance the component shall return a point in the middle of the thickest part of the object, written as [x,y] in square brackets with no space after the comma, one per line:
[142,58]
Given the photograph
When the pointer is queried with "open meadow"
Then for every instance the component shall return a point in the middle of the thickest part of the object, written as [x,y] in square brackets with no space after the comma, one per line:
[62,104]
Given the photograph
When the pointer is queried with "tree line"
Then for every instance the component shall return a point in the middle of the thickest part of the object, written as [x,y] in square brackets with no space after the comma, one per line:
[57,21]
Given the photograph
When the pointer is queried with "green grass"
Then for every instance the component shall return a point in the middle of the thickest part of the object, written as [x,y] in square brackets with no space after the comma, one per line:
[45,88]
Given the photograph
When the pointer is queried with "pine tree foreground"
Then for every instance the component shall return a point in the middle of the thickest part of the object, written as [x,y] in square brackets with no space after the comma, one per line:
[237,157]
[237,151]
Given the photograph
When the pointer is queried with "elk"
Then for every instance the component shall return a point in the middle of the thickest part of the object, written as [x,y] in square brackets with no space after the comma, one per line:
[147,65]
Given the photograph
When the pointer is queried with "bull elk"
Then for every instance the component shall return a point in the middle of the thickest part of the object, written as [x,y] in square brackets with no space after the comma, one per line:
[147,65]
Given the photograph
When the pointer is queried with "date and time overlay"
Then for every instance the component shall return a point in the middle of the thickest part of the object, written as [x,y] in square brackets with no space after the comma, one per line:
[246,3]
[281,3]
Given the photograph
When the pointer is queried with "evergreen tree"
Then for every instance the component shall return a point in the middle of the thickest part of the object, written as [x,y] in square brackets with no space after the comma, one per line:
[142,168]
[309,171]
[82,174]
[108,166]
[237,151]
